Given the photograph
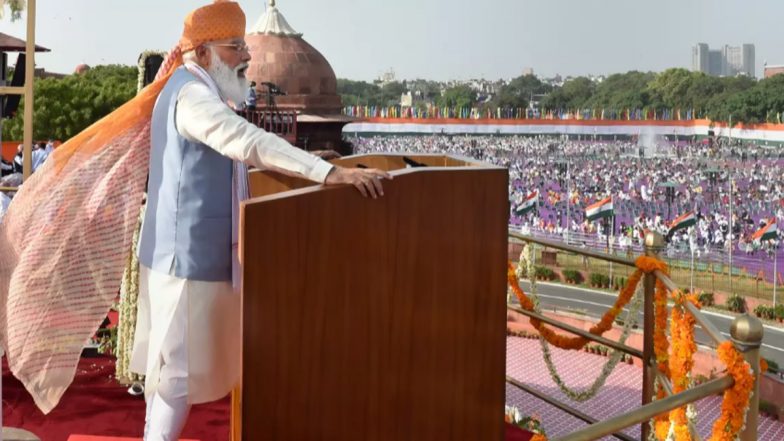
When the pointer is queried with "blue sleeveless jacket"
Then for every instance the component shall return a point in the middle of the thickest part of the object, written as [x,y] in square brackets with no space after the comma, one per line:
[187,227]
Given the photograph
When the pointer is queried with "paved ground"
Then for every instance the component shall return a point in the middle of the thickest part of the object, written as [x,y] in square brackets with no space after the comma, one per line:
[595,303]
[620,394]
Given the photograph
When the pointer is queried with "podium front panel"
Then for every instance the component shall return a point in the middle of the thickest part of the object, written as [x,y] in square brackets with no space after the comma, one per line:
[377,319]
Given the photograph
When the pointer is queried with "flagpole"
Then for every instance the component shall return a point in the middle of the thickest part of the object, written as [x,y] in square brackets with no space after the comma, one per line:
[568,201]
[691,248]
[775,272]
[730,235]
[609,245]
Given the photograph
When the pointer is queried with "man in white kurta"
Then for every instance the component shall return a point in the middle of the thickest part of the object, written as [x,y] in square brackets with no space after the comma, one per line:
[188,337]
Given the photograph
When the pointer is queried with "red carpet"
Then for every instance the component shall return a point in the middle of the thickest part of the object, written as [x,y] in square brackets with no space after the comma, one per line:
[108,438]
[96,405]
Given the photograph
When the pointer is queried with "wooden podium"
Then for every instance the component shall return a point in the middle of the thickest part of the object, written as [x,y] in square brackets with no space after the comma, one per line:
[376,319]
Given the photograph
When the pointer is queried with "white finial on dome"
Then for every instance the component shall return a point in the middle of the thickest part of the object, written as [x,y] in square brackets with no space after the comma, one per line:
[273,23]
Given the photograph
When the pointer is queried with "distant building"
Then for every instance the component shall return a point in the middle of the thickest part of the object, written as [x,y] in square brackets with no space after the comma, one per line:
[771,70]
[406,99]
[386,77]
[528,71]
[715,63]
[749,64]
[728,61]
[699,58]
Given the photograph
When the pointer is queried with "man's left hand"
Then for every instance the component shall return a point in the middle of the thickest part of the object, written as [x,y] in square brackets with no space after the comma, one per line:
[367,181]
[326,154]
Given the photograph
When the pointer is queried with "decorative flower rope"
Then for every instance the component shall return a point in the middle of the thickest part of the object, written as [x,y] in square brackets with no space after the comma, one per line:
[142,67]
[661,423]
[681,361]
[630,320]
[126,326]
[675,365]
[736,399]
[645,264]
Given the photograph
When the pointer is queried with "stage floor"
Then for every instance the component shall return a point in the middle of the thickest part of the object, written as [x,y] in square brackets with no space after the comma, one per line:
[96,404]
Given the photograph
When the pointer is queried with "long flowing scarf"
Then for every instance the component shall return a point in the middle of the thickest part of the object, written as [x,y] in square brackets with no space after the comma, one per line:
[64,241]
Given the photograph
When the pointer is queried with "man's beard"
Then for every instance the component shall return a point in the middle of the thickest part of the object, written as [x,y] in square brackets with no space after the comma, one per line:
[231,85]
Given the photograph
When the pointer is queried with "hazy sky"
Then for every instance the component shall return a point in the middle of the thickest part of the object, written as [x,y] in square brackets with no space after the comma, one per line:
[434,39]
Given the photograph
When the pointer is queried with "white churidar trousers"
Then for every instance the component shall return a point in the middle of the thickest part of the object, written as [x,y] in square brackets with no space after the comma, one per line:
[187,343]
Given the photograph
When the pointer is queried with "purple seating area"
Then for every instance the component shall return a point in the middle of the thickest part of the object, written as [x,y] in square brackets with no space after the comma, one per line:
[648,192]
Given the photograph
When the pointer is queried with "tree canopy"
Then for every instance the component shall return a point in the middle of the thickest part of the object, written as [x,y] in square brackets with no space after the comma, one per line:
[66,106]
[458,96]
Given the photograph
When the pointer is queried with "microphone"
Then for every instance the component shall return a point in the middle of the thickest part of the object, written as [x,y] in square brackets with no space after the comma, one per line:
[273,88]
[413,163]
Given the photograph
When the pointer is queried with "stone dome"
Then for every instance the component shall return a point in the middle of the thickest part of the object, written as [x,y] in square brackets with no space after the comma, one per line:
[82,68]
[280,55]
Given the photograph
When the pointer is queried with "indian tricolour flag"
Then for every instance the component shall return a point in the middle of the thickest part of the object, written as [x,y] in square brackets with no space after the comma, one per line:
[767,232]
[599,210]
[526,205]
[685,220]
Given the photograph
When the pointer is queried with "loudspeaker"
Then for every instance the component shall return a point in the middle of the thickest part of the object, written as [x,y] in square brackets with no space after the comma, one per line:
[152,63]
[3,75]
[12,101]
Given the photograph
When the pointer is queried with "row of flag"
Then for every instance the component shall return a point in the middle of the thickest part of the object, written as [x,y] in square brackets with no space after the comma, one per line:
[604,209]
[437,112]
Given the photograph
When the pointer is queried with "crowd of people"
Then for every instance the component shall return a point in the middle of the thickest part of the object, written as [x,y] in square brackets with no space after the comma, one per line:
[11,171]
[651,183]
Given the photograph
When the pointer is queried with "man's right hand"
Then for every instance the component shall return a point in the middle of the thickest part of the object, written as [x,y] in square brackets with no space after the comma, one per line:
[366,180]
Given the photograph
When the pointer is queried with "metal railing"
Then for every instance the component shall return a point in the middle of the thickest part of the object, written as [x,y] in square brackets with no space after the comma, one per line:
[281,123]
[746,334]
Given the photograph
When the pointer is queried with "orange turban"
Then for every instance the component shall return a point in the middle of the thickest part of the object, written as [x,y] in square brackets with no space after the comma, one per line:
[221,20]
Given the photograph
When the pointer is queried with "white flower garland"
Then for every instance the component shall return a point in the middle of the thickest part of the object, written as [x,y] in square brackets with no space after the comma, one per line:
[126,328]
[142,66]
[630,319]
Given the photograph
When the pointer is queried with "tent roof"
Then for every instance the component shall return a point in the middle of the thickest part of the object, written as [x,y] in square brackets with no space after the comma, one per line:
[13,44]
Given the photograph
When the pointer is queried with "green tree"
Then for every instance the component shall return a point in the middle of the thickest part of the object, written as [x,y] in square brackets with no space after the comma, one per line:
[574,94]
[670,89]
[355,93]
[458,96]
[623,91]
[702,89]
[65,107]
[430,90]
[15,6]
[390,94]
[519,92]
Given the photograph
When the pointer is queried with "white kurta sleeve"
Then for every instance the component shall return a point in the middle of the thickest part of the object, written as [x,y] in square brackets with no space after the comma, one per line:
[203,117]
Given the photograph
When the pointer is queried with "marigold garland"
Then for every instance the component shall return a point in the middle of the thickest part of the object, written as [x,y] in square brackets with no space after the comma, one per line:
[681,360]
[525,266]
[660,348]
[600,328]
[676,365]
[736,399]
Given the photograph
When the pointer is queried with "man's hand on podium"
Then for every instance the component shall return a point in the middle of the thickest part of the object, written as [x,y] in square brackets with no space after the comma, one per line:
[367,180]
[326,154]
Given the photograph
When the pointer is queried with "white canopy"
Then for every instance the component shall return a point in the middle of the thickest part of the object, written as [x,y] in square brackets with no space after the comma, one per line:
[273,23]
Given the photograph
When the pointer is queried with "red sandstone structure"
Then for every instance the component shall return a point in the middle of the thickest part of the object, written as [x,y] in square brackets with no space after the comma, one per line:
[282,58]
[773,70]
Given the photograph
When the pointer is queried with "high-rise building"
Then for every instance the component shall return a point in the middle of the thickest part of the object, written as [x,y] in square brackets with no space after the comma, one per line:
[699,58]
[749,65]
[728,61]
[715,63]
